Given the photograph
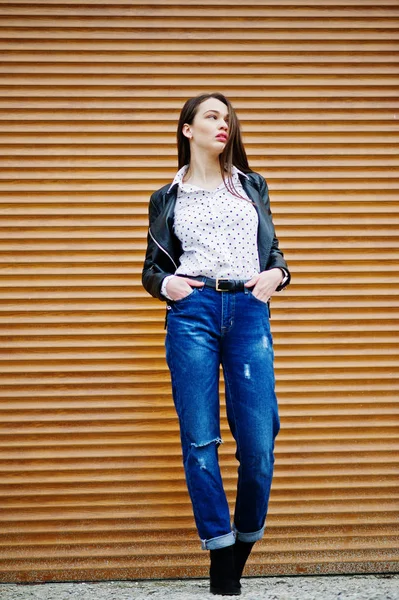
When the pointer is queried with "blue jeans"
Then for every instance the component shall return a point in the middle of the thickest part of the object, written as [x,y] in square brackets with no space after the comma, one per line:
[205,329]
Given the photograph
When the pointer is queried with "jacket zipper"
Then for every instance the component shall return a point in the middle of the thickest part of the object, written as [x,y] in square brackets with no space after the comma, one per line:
[163,249]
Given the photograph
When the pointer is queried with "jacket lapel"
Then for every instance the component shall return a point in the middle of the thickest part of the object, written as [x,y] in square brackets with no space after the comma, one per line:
[265,227]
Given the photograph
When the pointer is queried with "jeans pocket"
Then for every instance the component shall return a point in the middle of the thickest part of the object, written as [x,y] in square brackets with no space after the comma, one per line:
[262,303]
[182,300]
[257,299]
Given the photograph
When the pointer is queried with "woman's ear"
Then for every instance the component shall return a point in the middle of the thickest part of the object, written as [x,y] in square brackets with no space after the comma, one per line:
[187,131]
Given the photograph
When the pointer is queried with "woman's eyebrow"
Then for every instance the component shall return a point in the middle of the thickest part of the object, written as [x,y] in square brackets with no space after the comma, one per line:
[215,111]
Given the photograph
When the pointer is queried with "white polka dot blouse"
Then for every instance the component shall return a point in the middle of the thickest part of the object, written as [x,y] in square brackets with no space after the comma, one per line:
[217,230]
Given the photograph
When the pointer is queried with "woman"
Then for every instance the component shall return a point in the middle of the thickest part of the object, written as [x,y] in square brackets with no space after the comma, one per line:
[214,257]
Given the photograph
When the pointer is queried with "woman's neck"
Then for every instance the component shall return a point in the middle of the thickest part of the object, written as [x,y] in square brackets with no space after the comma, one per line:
[204,172]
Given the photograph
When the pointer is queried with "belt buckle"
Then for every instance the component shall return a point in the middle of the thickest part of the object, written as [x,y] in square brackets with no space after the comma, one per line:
[217,285]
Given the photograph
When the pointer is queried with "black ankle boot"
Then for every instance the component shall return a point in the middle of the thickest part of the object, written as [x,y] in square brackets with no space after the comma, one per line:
[223,572]
[241,552]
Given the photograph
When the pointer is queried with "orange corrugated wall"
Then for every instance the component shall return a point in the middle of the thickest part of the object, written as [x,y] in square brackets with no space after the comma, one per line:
[92,485]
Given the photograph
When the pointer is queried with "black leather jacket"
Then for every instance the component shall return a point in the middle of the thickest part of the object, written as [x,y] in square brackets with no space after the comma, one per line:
[164,248]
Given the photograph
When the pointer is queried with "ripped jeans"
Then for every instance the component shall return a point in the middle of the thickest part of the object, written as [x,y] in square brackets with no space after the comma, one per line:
[205,329]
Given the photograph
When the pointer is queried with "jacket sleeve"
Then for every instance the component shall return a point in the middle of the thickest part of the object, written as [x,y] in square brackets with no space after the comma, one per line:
[152,276]
[276,257]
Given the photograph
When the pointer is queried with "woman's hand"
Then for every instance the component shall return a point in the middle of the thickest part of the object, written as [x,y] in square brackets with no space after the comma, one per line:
[180,287]
[265,283]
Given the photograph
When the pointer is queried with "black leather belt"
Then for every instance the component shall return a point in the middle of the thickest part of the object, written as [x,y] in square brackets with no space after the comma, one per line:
[222,285]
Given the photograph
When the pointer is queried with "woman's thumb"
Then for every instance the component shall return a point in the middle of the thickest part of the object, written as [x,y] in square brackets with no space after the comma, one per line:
[252,281]
[194,282]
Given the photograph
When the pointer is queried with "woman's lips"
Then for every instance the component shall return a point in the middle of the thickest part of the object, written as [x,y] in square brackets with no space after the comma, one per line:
[222,137]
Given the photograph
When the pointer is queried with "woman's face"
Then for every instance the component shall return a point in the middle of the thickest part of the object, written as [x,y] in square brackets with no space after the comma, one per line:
[209,129]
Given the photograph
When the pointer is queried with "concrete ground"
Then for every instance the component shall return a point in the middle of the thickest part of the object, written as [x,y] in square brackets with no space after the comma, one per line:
[326,587]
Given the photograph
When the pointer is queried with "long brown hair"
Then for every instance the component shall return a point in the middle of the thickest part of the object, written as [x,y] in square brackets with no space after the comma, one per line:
[234,151]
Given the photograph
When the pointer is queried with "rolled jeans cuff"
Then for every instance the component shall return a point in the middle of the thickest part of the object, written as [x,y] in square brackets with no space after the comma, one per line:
[252,536]
[219,542]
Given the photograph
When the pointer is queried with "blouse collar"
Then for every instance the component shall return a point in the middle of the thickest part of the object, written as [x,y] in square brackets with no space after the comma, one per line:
[180,175]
